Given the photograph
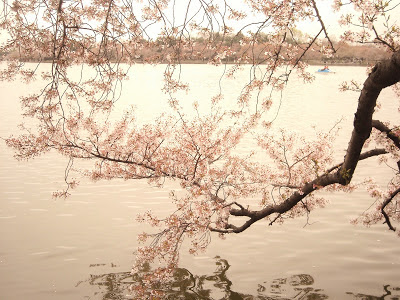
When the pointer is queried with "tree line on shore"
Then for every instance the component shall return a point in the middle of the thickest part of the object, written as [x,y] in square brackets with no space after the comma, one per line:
[239,48]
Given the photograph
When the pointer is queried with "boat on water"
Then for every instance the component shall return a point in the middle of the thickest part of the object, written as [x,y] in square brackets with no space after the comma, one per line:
[325,70]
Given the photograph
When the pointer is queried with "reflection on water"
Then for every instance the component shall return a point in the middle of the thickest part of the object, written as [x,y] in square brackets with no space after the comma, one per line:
[185,285]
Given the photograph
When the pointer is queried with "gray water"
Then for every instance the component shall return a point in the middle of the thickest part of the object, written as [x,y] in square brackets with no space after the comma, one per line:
[82,247]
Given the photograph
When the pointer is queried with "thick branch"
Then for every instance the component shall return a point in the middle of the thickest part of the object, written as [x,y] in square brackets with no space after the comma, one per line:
[283,207]
[384,74]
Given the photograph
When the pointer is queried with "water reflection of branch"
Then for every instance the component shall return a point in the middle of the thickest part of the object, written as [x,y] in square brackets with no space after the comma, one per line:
[111,286]
[389,291]
[185,285]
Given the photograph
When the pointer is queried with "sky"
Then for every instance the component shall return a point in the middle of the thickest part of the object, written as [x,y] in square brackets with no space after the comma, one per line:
[324,6]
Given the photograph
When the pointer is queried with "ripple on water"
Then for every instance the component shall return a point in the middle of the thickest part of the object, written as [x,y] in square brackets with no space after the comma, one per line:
[134,206]
[40,253]
[66,247]
[70,259]
[81,202]
[8,217]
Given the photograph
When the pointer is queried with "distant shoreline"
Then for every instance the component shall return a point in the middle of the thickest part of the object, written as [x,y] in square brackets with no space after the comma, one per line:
[360,63]
[309,62]
[338,63]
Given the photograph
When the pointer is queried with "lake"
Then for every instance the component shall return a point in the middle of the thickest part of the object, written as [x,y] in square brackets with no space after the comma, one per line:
[83,247]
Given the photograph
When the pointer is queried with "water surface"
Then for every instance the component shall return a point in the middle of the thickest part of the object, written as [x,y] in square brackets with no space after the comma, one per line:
[82,247]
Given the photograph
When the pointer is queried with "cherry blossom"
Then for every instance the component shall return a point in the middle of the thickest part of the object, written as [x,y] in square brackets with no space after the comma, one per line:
[221,189]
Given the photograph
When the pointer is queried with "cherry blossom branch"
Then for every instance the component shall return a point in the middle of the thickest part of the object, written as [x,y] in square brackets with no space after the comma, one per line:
[385,203]
[364,155]
[274,220]
[308,47]
[389,132]
[382,41]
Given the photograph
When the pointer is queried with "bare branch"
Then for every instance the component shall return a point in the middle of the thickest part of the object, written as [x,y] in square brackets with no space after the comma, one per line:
[323,25]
